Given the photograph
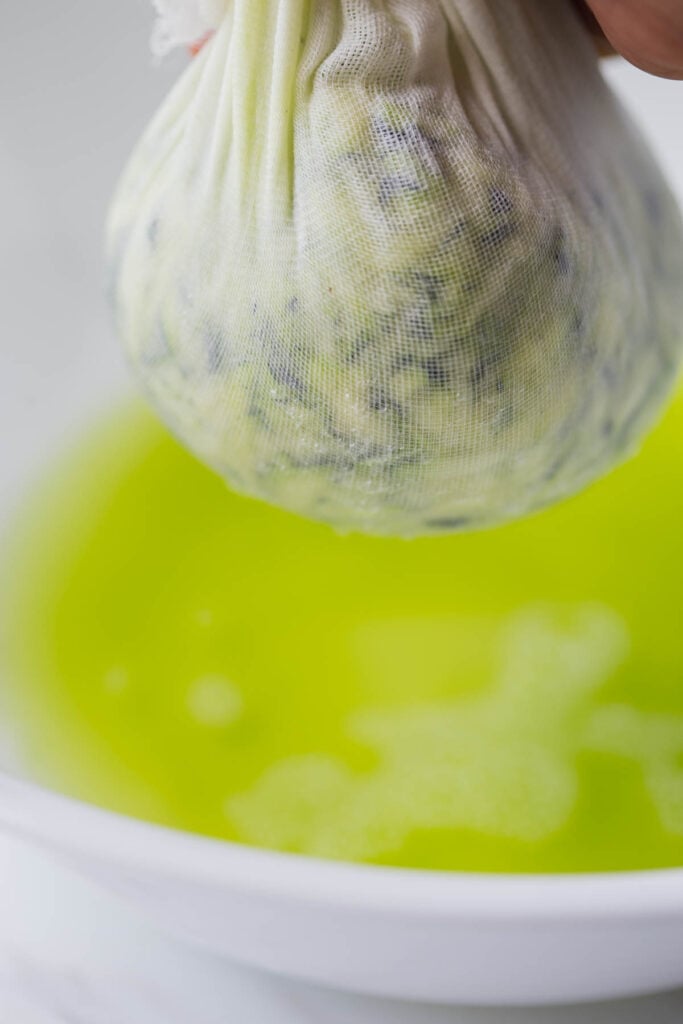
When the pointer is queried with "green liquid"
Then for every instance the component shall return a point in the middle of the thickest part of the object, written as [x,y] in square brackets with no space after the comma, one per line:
[500,701]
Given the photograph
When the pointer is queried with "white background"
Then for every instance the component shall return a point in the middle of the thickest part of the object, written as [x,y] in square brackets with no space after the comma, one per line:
[76,88]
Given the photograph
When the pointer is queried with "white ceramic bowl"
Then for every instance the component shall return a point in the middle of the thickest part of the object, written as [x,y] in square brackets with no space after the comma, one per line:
[426,936]
[81,92]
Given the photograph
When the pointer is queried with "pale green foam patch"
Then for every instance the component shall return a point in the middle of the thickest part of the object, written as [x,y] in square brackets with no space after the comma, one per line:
[502,762]
[655,743]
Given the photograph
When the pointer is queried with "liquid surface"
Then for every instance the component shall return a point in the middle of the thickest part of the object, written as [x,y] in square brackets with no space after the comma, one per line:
[500,701]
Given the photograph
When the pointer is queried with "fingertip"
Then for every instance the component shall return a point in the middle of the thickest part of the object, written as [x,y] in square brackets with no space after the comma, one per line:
[197,47]
[647,33]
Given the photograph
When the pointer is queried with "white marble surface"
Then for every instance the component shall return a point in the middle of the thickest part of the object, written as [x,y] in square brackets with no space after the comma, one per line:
[76,87]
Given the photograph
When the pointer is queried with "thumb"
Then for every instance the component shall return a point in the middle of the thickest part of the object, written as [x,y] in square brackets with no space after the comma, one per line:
[648,33]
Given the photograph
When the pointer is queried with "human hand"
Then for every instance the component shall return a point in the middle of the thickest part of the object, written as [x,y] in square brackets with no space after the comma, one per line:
[648,33]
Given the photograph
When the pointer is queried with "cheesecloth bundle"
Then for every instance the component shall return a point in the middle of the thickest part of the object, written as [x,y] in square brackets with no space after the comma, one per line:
[403,266]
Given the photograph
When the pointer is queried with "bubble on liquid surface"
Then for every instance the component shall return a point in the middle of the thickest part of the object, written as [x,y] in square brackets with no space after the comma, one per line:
[214,701]
[115,680]
[204,617]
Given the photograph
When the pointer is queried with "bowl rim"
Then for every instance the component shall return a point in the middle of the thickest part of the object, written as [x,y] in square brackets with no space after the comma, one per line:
[62,823]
